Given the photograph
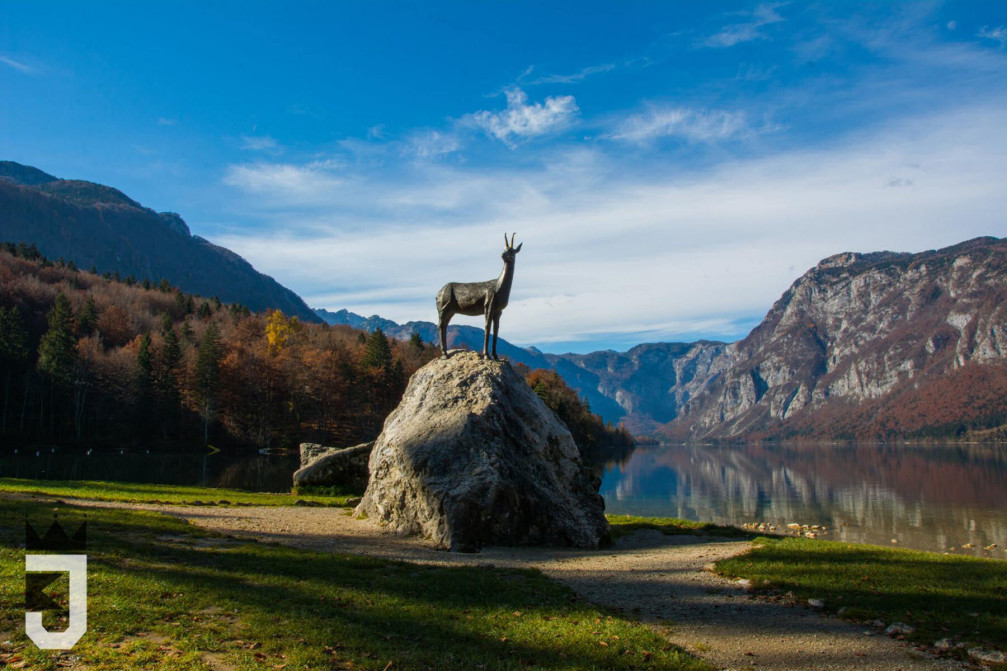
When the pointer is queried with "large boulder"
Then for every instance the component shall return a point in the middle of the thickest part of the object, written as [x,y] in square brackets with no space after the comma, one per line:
[472,457]
[328,467]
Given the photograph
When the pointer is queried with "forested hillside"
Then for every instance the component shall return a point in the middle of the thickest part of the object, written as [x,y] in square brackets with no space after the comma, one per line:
[88,359]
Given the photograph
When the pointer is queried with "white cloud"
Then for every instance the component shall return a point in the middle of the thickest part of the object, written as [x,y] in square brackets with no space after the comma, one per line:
[613,249]
[164,121]
[258,143]
[746,31]
[521,120]
[692,125]
[18,65]
[998,34]
[578,76]
[432,143]
[287,181]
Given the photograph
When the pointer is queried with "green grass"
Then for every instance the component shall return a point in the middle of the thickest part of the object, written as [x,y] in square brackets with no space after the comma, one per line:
[181,494]
[165,594]
[962,598]
[626,524]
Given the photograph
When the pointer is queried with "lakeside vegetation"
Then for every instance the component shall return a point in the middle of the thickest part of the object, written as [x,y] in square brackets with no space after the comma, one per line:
[165,594]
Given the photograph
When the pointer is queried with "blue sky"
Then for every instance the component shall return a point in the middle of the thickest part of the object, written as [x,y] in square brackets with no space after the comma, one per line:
[670,166]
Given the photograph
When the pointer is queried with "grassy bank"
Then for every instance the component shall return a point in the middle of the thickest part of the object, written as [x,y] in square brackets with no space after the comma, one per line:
[963,599]
[165,594]
[626,524]
[181,494]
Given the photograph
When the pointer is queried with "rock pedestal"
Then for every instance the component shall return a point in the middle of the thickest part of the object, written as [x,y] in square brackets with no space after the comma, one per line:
[472,457]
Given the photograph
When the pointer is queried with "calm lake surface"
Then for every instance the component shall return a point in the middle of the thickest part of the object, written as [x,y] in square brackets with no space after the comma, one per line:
[925,497]
[244,470]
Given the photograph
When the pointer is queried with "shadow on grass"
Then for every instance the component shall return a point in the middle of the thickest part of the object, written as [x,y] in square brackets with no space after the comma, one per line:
[943,596]
[324,610]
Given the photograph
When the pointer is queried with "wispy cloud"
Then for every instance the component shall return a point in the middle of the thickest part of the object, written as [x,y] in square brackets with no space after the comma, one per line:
[431,143]
[292,183]
[998,34]
[521,121]
[573,78]
[165,121]
[691,125]
[18,65]
[745,31]
[258,143]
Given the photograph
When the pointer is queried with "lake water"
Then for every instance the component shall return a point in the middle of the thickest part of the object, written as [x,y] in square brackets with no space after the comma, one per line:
[925,497]
[243,470]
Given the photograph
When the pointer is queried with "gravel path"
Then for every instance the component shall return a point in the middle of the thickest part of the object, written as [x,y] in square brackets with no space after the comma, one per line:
[650,576]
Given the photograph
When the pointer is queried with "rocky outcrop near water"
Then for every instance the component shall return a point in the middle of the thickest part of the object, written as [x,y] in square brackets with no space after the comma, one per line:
[869,346]
[323,466]
[472,457]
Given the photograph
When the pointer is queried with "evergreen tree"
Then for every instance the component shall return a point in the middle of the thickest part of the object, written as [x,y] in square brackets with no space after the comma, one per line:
[416,341]
[13,350]
[204,310]
[207,376]
[144,383]
[378,353]
[87,320]
[57,357]
[169,364]
[57,350]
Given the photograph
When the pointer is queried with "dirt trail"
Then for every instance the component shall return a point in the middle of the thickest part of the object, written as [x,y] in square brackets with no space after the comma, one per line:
[650,576]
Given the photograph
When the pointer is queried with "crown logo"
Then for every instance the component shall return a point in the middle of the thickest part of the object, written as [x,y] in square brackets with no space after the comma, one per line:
[56,539]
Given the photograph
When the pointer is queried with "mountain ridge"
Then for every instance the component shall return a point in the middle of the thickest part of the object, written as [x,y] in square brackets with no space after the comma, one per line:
[97,225]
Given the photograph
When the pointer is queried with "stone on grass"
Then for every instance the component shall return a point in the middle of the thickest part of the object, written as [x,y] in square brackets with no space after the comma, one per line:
[987,656]
[346,467]
[897,628]
[472,457]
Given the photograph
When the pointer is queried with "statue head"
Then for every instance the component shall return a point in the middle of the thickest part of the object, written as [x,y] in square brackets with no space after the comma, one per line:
[510,251]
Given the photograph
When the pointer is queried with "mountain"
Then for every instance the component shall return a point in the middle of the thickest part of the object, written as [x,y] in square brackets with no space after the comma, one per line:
[642,388]
[868,346]
[96,225]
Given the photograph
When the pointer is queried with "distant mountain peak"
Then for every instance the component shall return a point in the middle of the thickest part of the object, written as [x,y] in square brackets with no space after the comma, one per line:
[24,174]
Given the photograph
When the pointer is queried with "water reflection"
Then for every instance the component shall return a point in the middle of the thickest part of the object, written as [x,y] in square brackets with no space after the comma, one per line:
[242,470]
[925,497]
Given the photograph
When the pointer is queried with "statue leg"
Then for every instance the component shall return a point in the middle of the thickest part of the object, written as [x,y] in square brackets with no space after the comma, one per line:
[442,331]
[486,337]
[496,333]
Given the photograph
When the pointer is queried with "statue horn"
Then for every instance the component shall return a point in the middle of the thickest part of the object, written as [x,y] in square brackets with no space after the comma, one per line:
[511,240]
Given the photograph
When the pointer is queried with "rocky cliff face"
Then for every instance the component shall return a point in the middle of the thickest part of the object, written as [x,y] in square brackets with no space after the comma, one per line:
[472,457]
[868,345]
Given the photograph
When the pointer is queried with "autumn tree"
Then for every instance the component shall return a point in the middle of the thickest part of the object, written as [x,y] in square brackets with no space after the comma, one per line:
[278,331]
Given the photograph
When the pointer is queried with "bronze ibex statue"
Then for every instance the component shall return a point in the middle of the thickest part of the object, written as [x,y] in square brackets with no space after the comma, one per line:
[487,298]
